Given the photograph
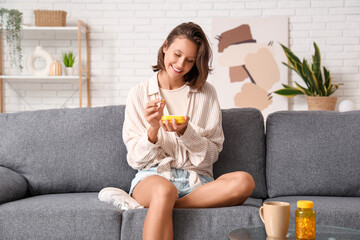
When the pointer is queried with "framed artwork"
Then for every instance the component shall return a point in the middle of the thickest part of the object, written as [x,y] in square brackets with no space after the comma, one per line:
[247,62]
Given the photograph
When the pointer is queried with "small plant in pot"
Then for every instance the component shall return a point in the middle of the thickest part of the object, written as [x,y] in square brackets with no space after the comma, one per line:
[68,60]
[318,86]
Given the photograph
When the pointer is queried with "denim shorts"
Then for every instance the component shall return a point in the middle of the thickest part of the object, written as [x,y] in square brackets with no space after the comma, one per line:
[181,180]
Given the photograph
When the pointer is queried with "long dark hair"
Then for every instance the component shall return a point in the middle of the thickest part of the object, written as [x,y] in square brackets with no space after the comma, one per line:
[197,76]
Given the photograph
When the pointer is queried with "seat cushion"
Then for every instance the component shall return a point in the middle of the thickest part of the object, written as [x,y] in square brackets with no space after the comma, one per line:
[333,211]
[244,146]
[60,216]
[313,153]
[66,150]
[198,223]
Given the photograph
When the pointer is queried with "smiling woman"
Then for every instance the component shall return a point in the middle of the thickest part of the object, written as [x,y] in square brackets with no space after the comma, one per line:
[175,159]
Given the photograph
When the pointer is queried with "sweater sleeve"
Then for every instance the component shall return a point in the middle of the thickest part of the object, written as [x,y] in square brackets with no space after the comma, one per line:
[141,153]
[204,144]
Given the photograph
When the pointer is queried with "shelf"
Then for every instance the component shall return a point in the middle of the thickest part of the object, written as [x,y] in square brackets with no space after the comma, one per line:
[75,77]
[85,73]
[32,28]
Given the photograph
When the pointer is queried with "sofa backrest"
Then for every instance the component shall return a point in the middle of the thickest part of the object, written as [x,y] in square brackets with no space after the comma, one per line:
[79,150]
[244,146]
[313,153]
[66,150]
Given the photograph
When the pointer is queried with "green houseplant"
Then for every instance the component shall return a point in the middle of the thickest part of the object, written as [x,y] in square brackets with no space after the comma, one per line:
[10,20]
[318,86]
[68,60]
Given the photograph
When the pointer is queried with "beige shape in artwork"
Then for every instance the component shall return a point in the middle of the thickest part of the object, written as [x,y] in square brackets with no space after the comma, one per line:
[263,68]
[237,74]
[235,55]
[252,96]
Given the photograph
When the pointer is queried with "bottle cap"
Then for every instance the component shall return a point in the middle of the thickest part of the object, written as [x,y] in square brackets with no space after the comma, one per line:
[305,204]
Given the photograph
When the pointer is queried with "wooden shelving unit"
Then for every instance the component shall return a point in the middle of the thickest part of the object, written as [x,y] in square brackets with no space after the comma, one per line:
[83,73]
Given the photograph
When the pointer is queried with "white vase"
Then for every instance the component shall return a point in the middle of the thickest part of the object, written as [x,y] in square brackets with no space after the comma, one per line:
[39,52]
[69,71]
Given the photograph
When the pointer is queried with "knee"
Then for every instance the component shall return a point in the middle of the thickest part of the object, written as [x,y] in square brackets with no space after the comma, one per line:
[165,193]
[242,185]
[249,183]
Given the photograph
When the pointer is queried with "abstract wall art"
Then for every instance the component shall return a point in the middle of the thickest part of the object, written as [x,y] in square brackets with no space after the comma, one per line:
[247,62]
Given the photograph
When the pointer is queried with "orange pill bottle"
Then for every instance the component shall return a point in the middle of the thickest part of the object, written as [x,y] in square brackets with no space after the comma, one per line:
[305,220]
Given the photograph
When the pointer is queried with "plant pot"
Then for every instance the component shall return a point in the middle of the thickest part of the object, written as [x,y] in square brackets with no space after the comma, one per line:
[321,103]
[69,71]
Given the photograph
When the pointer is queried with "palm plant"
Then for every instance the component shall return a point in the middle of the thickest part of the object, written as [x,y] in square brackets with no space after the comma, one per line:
[316,84]
[68,59]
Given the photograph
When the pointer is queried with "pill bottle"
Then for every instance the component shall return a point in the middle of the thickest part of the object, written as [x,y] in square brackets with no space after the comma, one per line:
[305,220]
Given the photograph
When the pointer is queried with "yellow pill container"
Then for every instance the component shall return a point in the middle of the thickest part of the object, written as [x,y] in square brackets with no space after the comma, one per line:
[178,119]
[305,220]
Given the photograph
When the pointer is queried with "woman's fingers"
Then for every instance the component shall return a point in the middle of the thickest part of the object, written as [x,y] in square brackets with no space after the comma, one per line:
[174,124]
[169,126]
[154,103]
[152,116]
[153,106]
[150,110]
[161,107]
[162,124]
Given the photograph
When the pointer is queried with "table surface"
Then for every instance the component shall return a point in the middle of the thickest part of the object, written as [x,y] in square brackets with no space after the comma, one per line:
[322,233]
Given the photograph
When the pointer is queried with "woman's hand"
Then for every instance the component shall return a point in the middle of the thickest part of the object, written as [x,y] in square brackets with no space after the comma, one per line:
[174,127]
[153,112]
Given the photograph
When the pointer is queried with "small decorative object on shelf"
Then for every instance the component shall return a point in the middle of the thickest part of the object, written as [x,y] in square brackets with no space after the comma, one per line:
[12,26]
[68,60]
[305,220]
[50,18]
[39,52]
[346,105]
[318,88]
[55,68]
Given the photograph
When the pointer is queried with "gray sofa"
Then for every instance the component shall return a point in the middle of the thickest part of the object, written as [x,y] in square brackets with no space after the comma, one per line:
[54,162]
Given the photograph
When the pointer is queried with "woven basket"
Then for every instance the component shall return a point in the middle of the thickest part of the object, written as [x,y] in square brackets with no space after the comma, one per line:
[50,18]
[321,103]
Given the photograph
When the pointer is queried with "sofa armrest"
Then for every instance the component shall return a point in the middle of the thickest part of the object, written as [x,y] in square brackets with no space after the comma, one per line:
[13,186]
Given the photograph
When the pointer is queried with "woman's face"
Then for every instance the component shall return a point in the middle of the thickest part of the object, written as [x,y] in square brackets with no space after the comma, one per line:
[179,57]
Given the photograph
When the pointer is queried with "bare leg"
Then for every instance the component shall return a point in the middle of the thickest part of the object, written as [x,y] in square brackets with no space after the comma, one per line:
[229,189]
[159,195]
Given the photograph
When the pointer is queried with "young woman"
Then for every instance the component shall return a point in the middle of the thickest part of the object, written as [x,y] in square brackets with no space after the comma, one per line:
[175,161]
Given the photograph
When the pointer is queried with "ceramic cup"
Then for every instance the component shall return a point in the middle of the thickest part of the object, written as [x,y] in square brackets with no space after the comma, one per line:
[276,217]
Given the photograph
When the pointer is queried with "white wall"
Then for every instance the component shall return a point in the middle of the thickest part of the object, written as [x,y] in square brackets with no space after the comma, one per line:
[126,34]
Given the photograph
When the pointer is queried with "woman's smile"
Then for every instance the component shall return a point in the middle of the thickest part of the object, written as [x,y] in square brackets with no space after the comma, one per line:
[176,69]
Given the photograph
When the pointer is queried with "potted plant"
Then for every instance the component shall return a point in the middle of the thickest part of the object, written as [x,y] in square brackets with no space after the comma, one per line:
[10,20]
[318,86]
[69,59]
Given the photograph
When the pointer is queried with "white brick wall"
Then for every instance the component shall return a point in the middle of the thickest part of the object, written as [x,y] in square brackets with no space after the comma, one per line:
[125,36]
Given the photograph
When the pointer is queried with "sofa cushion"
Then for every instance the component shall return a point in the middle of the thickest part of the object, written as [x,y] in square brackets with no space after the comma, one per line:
[313,153]
[13,186]
[66,150]
[244,146]
[60,216]
[198,223]
[332,211]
